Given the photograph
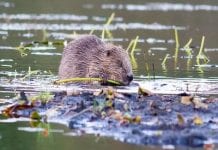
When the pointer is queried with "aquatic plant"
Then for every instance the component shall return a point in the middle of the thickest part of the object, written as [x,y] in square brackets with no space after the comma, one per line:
[43,97]
[176,37]
[187,47]
[201,54]
[25,47]
[30,72]
[105,29]
[70,80]
[176,48]
[132,45]
[165,59]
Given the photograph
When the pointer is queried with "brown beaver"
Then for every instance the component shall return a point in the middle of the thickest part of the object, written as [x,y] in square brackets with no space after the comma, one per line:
[89,56]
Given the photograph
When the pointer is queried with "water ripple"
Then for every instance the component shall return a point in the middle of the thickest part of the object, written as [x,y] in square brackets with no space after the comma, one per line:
[6,4]
[45,53]
[6,60]
[66,17]
[75,26]
[161,7]
[3,33]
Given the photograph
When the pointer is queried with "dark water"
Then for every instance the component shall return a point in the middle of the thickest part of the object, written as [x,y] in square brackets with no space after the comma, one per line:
[153,21]
[21,136]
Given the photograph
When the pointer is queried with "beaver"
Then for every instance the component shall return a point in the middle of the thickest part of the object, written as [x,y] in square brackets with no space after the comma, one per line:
[89,56]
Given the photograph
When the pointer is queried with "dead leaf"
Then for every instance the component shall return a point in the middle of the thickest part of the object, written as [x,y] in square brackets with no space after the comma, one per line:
[127,117]
[181,120]
[186,100]
[117,115]
[137,119]
[73,92]
[109,92]
[98,93]
[144,92]
[197,120]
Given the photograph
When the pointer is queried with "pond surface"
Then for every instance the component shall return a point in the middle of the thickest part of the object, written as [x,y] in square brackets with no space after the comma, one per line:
[21,136]
[156,57]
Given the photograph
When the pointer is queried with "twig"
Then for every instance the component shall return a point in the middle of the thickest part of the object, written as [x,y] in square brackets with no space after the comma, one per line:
[86,79]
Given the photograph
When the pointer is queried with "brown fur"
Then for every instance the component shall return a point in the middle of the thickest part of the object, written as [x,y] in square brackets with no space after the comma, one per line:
[88,56]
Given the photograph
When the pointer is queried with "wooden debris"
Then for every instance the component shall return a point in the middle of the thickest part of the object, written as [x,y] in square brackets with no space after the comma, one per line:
[198,104]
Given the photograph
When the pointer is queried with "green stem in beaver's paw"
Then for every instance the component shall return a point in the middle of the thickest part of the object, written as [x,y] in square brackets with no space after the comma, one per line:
[70,80]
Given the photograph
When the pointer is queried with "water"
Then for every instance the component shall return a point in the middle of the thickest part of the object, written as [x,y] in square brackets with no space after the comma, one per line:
[21,136]
[154,21]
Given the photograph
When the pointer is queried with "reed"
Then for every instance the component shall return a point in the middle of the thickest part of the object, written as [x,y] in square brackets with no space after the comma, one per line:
[176,37]
[105,29]
[187,47]
[165,59]
[201,54]
[30,72]
[132,46]
[176,48]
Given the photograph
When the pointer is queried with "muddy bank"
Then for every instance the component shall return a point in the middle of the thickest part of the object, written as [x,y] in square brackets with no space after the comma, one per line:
[142,118]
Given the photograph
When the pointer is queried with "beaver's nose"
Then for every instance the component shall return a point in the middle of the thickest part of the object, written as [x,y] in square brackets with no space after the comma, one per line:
[130,78]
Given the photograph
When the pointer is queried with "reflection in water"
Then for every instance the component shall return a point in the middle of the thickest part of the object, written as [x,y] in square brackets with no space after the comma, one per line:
[89,27]
[6,4]
[20,136]
[48,17]
[161,7]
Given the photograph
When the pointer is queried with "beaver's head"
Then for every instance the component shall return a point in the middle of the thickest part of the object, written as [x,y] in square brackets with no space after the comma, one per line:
[116,64]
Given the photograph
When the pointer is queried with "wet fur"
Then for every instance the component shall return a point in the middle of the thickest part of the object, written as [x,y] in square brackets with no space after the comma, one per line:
[88,56]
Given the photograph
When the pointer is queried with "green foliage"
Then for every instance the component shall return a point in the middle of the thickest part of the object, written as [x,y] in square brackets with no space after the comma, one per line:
[44,97]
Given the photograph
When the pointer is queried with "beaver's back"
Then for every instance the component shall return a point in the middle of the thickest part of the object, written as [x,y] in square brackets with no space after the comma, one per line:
[77,54]
[88,56]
